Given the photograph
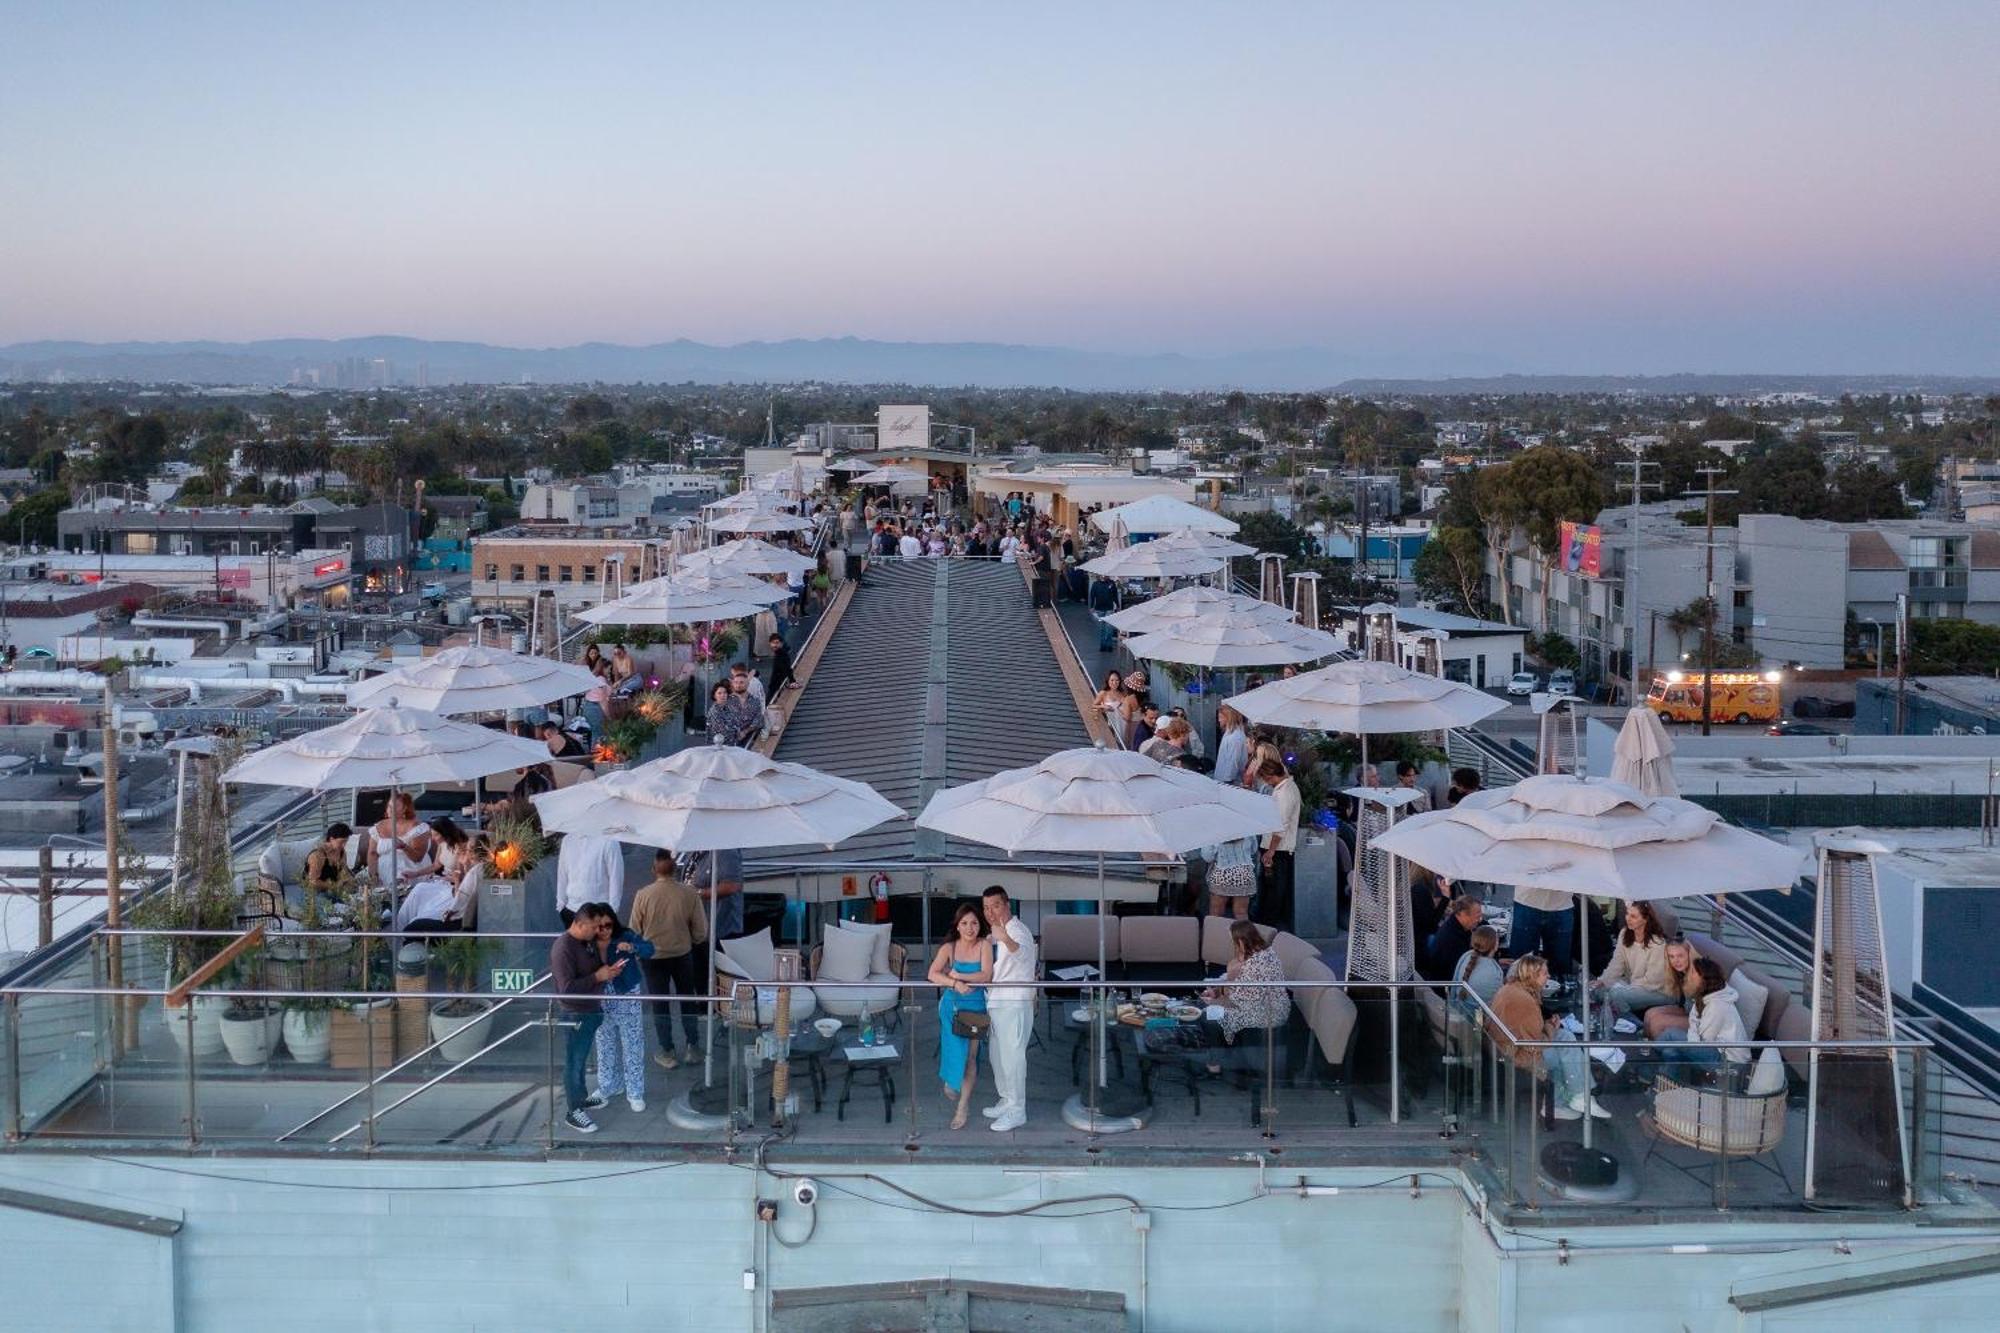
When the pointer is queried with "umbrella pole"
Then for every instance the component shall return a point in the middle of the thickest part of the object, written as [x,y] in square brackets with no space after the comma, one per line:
[1103,1065]
[1583,989]
[1390,869]
[708,1040]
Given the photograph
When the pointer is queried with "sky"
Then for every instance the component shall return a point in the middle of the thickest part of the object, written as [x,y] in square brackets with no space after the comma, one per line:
[1415,188]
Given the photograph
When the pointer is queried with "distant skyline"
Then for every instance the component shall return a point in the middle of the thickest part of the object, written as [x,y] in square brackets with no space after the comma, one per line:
[1417,189]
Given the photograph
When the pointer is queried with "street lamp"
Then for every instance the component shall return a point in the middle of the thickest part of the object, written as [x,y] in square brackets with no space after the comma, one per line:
[1870,620]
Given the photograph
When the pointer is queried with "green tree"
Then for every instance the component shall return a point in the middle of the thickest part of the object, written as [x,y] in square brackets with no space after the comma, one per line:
[1451,567]
[33,517]
[1860,493]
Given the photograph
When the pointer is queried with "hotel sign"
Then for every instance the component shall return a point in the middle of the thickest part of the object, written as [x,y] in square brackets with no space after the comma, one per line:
[900,428]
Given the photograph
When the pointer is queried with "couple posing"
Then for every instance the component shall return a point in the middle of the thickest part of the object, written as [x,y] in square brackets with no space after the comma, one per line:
[979,970]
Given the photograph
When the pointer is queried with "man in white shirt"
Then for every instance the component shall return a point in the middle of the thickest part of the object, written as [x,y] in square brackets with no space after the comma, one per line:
[1011,1007]
[910,546]
[589,869]
[1275,902]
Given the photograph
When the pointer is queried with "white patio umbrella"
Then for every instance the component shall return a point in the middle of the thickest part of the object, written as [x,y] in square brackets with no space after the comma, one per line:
[1205,543]
[1162,513]
[388,747]
[1095,800]
[1643,754]
[717,798]
[852,465]
[1595,839]
[1154,560]
[1231,639]
[1364,697]
[746,555]
[750,499]
[752,521]
[1192,603]
[893,474]
[473,678]
[671,601]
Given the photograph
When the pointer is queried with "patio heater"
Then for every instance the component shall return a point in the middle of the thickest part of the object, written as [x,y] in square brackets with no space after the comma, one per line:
[1380,944]
[1555,740]
[1305,599]
[1378,632]
[1857,1146]
[1271,578]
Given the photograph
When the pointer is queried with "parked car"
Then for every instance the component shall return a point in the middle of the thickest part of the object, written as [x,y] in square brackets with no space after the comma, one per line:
[1523,683]
[1562,681]
[1788,728]
[1811,705]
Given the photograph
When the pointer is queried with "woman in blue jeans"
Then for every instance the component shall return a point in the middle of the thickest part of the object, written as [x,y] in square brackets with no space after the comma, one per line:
[963,966]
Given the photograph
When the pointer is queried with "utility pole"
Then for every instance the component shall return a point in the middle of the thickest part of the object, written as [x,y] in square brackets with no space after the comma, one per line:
[1902,659]
[114,889]
[1708,625]
[1652,641]
[1630,618]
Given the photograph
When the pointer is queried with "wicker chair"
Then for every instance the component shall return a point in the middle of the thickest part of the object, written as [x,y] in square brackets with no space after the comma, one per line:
[1717,1124]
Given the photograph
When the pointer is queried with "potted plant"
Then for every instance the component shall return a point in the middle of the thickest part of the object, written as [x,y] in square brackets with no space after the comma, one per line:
[306,1029]
[250,1024]
[200,897]
[461,1024]
[515,843]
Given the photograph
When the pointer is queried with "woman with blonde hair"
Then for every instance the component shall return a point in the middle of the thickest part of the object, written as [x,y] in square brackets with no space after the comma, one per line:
[1517,1017]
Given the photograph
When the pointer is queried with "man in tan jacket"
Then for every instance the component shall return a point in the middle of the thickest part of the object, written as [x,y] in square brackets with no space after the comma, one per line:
[668,913]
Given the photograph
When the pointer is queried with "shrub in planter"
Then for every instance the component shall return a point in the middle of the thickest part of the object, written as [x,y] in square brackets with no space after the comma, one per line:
[461,1024]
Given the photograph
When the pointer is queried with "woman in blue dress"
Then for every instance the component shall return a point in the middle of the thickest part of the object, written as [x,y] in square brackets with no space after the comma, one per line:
[963,966]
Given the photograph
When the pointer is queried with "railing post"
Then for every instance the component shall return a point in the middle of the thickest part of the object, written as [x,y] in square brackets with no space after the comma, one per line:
[187,1048]
[1269,1111]
[549,1072]
[1915,1154]
[368,1044]
[910,1015]
[13,1020]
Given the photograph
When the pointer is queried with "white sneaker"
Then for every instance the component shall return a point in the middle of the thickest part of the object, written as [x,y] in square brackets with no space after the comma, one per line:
[1596,1111]
[1565,1111]
[636,1103]
[1012,1120]
[995,1111]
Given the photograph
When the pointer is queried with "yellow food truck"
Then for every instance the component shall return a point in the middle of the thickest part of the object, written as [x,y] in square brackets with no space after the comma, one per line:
[1740,696]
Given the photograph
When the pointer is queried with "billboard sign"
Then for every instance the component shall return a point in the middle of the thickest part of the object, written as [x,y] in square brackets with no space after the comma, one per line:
[900,428]
[1581,549]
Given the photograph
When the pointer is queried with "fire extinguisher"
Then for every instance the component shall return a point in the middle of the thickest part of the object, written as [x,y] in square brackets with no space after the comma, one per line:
[878,889]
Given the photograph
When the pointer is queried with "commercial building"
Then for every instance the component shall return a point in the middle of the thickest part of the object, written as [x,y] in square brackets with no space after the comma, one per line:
[271,580]
[1480,653]
[1932,706]
[37,614]
[1392,548]
[373,539]
[576,563]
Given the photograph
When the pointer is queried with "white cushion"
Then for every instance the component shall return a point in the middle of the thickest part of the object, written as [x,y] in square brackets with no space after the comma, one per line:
[756,954]
[850,1001]
[878,941]
[844,956]
[1769,1074]
[1750,1000]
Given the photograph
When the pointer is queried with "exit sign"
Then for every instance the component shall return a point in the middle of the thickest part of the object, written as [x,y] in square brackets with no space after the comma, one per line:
[512,979]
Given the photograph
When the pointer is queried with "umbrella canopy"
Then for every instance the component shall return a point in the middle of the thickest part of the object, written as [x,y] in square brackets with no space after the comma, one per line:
[751,499]
[853,465]
[673,602]
[711,797]
[388,747]
[1162,513]
[1102,801]
[709,581]
[1230,642]
[1366,698]
[1643,755]
[1604,839]
[758,520]
[893,475]
[1203,543]
[1155,560]
[746,555]
[473,679]
[1192,603]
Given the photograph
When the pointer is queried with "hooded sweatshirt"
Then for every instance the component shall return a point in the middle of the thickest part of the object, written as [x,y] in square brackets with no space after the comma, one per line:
[1714,1018]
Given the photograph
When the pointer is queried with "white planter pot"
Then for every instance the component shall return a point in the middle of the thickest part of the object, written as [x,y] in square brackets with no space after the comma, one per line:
[462,1034]
[207,1025]
[250,1041]
[308,1035]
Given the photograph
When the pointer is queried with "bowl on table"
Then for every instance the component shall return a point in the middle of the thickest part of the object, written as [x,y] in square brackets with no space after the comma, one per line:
[826,1027]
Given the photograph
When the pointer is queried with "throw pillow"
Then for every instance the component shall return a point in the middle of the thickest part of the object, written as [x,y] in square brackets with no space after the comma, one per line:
[878,943]
[1769,1074]
[756,954]
[1750,999]
[844,956]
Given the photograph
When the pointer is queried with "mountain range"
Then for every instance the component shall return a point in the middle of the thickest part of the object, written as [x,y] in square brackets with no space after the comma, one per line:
[842,360]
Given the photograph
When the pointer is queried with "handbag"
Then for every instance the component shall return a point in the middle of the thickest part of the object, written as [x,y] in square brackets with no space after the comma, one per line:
[971,1024]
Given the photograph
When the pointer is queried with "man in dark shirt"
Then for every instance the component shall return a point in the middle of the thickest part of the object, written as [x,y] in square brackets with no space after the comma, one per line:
[781,668]
[579,972]
[1453,938]
[562,745]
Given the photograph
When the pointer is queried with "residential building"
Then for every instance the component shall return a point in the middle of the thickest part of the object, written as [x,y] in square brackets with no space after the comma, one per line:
[580,564]
[1481,653]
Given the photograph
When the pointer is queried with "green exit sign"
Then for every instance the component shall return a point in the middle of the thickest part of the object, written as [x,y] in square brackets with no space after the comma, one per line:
[506,979]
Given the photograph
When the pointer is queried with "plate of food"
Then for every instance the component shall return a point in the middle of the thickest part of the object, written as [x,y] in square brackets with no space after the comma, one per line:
[1186,1013]
[1153,999]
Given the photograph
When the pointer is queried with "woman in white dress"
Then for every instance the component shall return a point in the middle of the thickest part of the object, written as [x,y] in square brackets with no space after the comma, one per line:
[398,839]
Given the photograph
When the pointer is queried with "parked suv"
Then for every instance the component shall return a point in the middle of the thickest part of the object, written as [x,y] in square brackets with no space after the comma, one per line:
[1562,682]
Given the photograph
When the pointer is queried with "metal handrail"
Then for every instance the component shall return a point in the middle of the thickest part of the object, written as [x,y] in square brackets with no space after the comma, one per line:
[423,1087]
[402,1064]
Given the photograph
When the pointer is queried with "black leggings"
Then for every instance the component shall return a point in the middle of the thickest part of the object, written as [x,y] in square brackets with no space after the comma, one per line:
[682,976]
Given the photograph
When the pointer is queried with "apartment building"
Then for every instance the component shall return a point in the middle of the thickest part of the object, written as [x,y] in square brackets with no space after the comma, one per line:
[581,565]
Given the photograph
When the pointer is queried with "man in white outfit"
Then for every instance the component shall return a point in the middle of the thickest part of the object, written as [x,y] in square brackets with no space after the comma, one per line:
[590,868]
[1011,1007]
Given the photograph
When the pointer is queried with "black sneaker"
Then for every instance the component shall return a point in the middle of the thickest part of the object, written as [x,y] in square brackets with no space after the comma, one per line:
[580,1122]
[595,1100]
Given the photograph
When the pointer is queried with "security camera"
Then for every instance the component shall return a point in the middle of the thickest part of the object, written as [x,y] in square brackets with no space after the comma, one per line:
[805,1193]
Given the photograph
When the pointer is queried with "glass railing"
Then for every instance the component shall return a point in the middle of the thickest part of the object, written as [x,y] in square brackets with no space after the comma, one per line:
[326,1041]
